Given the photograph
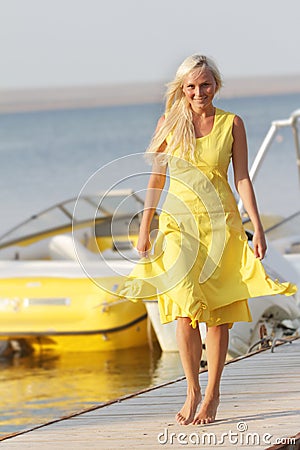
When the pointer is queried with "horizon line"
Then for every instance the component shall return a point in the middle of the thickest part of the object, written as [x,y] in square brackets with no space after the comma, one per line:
[96,95]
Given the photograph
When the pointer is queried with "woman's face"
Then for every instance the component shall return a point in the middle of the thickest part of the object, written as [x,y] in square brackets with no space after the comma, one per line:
[200,87]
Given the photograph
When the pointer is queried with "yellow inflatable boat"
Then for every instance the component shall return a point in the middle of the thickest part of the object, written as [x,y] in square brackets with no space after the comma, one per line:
[58,274]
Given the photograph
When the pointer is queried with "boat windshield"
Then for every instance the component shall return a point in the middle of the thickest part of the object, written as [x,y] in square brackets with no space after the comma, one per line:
[75,212]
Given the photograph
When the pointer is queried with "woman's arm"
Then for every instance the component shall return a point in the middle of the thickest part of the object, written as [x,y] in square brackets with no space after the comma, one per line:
[244,186]
[155,185]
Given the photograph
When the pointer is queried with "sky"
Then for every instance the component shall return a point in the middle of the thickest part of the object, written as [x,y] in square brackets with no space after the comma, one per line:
[49,43]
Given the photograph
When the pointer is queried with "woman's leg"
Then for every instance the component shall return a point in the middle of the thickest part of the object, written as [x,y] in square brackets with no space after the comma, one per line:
[216,344]
[190,349]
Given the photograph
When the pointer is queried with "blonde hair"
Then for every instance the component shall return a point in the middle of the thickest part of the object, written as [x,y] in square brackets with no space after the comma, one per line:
[178,123]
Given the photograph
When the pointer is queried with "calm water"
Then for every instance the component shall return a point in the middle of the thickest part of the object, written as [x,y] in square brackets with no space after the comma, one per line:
[47,157]
[37,389]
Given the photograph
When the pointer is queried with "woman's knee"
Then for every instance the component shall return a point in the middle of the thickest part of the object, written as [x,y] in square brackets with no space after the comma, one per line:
[185,328]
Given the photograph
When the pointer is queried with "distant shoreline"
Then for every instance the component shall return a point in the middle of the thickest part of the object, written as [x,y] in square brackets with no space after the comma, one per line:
[41,99]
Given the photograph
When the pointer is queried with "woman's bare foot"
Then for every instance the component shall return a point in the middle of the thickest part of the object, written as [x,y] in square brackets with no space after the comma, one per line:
[208,411]
[187,413]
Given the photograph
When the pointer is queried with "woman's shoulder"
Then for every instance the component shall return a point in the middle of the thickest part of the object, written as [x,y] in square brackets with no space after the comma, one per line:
[227,117]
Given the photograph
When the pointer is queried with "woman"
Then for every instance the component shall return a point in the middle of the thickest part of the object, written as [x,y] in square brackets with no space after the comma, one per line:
[202,269]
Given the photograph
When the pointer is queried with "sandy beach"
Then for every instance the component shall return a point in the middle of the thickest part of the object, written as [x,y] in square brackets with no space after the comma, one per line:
[123,94]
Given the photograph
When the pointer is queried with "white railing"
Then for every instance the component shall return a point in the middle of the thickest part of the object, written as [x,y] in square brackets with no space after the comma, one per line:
[293,122]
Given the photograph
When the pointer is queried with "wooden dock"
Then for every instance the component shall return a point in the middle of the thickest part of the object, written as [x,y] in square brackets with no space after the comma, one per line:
[260,407]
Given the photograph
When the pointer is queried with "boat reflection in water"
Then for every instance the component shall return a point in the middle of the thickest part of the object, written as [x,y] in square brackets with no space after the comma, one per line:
[36,389]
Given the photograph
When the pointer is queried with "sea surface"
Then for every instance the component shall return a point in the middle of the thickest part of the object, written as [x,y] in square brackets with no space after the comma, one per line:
[50,156]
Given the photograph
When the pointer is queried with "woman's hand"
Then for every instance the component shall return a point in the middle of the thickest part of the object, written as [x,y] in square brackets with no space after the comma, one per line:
[259,244]
[143,245]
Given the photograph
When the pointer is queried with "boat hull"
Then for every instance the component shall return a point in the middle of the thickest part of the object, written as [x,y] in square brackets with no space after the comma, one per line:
[67,314]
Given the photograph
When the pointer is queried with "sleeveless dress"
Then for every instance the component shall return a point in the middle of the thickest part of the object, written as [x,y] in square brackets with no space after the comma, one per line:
[201,265]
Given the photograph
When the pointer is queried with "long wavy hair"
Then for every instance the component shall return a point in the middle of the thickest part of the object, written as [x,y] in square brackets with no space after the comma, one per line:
[178,123]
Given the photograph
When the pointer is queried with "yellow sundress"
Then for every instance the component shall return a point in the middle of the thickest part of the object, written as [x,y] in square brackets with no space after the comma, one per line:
[201,266]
